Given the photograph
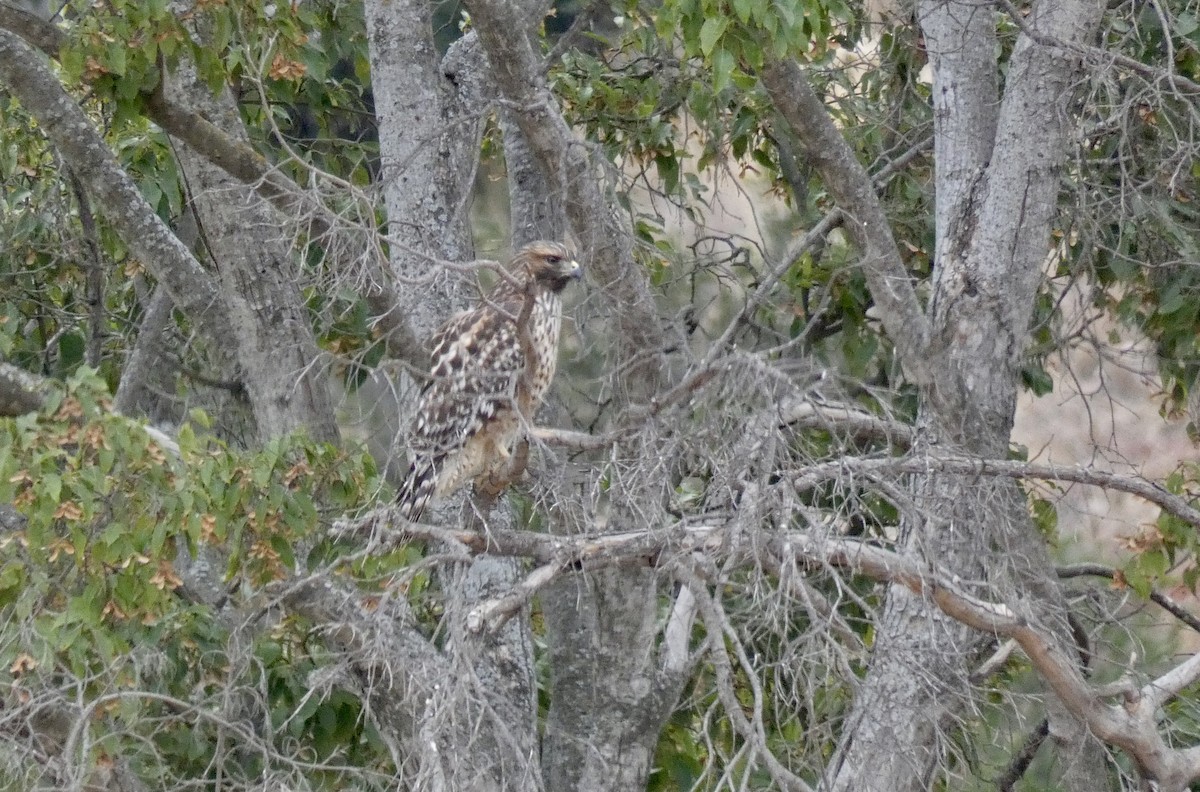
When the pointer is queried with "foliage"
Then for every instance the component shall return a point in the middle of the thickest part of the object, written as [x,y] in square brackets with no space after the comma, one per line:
[91,577]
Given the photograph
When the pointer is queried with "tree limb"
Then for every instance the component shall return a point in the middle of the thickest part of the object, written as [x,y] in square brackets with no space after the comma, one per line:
[851,187]
[68,128]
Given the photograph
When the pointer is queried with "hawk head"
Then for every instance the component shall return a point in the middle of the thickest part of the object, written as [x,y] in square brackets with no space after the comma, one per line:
[551,265]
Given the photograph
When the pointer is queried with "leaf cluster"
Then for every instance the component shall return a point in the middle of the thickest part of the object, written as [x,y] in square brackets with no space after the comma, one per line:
[93,577]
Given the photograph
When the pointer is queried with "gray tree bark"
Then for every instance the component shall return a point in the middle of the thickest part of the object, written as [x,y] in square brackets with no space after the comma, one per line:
[479,728]
[429,128]
[277,356]
[997,179]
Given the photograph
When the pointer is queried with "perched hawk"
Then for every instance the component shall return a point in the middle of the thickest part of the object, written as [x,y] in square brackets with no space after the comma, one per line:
[491,367]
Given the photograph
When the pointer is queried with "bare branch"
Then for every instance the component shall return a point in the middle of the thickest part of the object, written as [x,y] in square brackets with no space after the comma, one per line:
[1171,684]
[1004,468]
[492,614]
[751,731]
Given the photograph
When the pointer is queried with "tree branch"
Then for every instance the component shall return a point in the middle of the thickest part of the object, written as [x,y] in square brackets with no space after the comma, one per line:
[1098,56]
[1003,468]
[68,128]
[851,187]
[750,730]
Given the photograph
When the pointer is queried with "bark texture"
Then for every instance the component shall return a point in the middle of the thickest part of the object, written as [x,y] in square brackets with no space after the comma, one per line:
[277,355]
[997,180]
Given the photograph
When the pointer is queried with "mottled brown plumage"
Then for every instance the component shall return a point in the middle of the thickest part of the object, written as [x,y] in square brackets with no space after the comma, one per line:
[490,369]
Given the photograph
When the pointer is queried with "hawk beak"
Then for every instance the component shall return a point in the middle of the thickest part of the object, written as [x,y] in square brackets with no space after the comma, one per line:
[574,271]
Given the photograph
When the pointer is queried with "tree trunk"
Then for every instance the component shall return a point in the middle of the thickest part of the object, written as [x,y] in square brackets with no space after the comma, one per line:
[479,730]
[277,357]
[429,129]
[607,704]
[995,205]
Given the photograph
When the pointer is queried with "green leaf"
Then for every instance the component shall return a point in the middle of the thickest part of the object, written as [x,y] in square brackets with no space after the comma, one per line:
[710,32]
[70,348]
[1037,380]
[52,484]
[115,60]
[723,63]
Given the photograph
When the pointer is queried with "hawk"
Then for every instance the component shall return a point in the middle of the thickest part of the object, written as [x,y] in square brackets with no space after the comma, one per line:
[490,369]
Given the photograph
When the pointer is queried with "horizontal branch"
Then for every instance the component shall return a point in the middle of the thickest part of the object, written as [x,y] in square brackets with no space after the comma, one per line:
[1001,468]
[798,413]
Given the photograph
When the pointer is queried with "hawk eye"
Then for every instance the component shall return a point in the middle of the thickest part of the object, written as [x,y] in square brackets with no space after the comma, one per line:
[554,259]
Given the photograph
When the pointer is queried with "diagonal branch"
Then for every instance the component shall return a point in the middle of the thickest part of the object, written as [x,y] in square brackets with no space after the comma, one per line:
[242,162]
[27,75]
[851,187]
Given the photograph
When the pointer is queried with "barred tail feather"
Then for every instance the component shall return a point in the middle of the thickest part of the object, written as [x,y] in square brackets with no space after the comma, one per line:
[417,490]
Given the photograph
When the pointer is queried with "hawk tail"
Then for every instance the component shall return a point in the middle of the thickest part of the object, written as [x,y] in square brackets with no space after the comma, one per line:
[417,490]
